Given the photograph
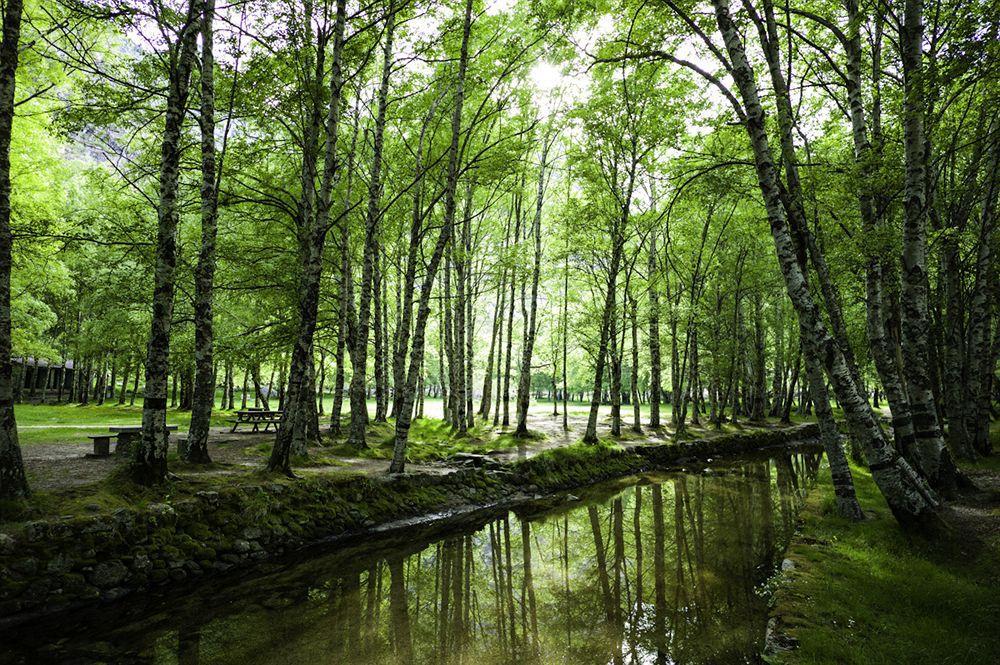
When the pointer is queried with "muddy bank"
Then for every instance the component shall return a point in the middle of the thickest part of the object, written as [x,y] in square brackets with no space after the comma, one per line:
[49,566]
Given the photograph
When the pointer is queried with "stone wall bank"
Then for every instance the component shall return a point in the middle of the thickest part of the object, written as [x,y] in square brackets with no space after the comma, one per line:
[57,564]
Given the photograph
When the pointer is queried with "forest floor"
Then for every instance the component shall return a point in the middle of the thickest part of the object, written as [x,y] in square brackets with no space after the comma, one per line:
[55,445]
[868,593]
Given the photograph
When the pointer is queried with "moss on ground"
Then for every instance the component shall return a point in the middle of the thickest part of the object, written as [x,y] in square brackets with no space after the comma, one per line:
[576,465]
[867,593]
[431,439]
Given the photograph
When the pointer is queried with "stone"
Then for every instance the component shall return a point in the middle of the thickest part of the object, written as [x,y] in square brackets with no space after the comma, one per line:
[58,564]
[787,564]
[141,563]
[27,566]
[108,574]
[161,511]
[35,531]
[208,496]
[114,594]
[7,543]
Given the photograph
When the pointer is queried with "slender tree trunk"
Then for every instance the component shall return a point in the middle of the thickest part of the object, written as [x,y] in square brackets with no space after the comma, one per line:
[359,357]
[510,335]
[459,332]
[321,388]
[634,378]
[405,318]
[135,384]
[982,360]
[150,463]
[346,315]
[935,460]
[378,339]
[13,482]
[204,383]
[655,372]
[606,332]
[126,375]
[565,339]
[487,399]
[531,327]
[449,338]
[423,309]
[470,323]
[294,432]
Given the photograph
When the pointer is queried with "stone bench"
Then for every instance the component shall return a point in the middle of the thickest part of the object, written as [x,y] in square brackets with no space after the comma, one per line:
[102,445]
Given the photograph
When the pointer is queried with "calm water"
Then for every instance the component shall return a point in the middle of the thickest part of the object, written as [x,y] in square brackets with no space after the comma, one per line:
[657,569]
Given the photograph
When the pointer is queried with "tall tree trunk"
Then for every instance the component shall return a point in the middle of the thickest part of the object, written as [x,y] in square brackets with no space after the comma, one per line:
[510,335]
[405,318]
[913,504]
[345,298]
[359,355]
[487,398]
[470,322]
[204,382]
[321,388]
[126,375]
[528,344]
[655,372]
[13,482]
[423,309]
[135,384]
[450,408]
[935,460]
[634,371]
[150,463]
[293,434]
[459,329]
[378,339]
[982,360]
[565,339]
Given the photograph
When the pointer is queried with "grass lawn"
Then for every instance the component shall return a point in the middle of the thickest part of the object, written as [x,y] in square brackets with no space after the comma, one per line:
[45,423]
[867,594]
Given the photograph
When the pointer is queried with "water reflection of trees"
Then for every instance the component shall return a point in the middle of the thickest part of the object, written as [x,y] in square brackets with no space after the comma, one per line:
[666,571]
[572,587]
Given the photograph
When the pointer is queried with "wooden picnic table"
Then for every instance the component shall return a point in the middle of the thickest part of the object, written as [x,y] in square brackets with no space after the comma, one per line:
[257,417]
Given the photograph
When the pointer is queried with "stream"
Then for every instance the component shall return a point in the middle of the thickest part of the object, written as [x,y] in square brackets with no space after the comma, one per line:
[658,568]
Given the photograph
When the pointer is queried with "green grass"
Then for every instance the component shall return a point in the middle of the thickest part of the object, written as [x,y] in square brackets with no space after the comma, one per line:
[70,423]
[866,593]
[430,439]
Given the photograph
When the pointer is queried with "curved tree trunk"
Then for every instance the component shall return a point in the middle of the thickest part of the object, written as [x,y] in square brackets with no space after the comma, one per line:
[913,504]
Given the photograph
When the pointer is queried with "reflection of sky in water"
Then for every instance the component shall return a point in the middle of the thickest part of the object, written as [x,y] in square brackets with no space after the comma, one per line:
[668,569]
